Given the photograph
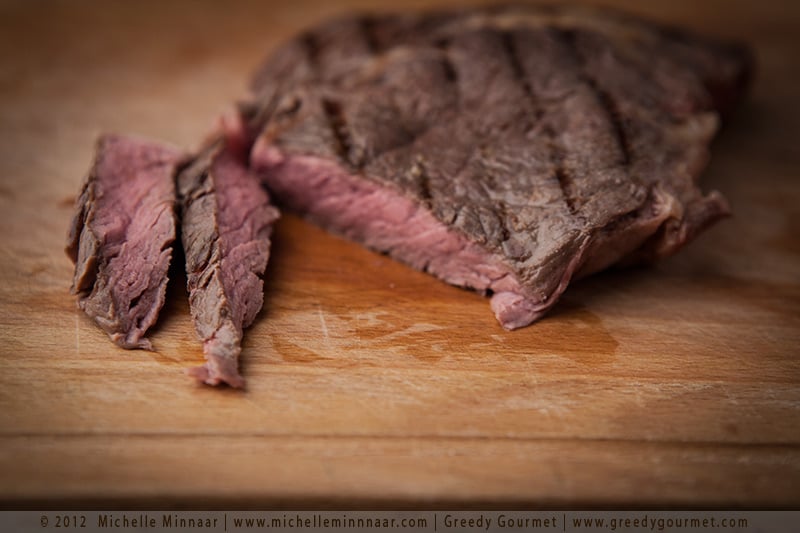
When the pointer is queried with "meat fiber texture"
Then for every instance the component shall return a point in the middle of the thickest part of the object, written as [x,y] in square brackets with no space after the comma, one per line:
[226,224]
[508,149]
[122,235]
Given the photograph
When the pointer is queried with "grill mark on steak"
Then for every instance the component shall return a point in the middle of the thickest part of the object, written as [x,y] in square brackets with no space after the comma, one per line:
[615,118]
[450,73]
[604,98]
[256,117]
[520,77]
[334,114]
[489,183]
[311,47]
[556,155]
[565,183]
[422,179]
[368,29]
[503,217]
[560,173]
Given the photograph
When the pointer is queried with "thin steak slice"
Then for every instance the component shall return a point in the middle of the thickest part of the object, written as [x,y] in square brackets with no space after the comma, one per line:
[122,234]
[226,223]
[508,149]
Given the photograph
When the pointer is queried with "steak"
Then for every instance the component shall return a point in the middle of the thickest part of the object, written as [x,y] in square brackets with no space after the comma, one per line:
[226,223]
[122,234]
[508,149]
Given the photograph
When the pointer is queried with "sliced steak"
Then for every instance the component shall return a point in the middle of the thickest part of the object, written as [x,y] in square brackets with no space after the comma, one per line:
[122,234]
[226,223]
[508,149]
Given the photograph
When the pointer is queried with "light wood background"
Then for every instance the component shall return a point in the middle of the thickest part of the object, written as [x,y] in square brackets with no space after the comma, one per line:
[368,383]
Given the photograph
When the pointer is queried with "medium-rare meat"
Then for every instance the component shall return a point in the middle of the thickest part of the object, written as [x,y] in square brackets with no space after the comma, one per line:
[226,223]
[509,149]
[122,234]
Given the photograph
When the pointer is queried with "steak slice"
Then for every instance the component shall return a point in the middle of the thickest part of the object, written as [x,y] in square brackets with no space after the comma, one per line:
[226,223]
[505,149]
[122,234]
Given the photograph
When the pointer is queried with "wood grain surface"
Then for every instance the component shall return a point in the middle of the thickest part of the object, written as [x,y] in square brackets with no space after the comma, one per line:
[368,383]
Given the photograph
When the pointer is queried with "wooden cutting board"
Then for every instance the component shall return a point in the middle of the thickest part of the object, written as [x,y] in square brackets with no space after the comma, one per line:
[369,383]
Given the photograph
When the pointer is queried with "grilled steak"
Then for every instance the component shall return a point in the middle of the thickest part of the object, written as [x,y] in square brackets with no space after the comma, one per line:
[121,236]
[226,223]
[509,150]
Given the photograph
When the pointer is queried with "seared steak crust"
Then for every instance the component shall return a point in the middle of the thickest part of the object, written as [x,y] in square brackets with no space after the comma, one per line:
[544,143]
